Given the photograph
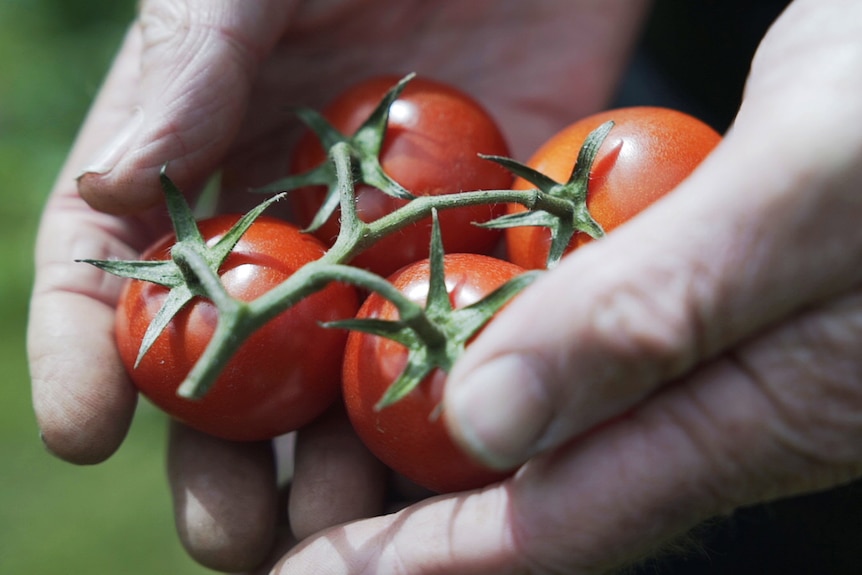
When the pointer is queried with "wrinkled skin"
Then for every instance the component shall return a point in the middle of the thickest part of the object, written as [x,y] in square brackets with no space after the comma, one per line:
[741,287]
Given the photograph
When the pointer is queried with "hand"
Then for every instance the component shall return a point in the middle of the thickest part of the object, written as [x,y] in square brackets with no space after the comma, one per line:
[703,357]
[205,87]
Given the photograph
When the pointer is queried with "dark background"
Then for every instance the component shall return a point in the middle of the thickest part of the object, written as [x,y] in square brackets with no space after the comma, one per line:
[702,49]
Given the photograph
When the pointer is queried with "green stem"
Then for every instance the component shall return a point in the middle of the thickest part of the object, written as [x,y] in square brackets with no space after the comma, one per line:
[422,206]
[356,235]
[233,327]
[200,277]
[317,275]
[238,320]
[352,228]
[231,331]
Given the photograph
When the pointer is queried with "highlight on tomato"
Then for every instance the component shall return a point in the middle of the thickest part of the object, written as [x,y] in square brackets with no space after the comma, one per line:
[430,146]
[647,152]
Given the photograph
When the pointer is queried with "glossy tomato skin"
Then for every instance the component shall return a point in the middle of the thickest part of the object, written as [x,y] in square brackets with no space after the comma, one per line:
[282,377]
[648,153]
[406,436]
[431,147]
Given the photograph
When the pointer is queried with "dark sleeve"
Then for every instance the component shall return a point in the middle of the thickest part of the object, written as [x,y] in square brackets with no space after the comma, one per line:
[695,55]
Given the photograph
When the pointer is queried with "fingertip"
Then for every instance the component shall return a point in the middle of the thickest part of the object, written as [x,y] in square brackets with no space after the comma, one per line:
[124,177]
[125,138]
[468,533]
[336,479]
[77,433]
[225,499]
[83,409]
[114,164]
[499,411]
[120,195]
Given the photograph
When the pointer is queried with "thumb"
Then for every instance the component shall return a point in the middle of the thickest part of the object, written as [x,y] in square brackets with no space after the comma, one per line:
[188,69]
[765,227]
[695,277]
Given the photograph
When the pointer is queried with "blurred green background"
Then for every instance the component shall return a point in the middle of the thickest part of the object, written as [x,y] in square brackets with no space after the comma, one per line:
[55,517]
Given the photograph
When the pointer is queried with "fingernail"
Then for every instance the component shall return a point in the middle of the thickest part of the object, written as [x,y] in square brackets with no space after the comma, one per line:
[109,156]
[500,411]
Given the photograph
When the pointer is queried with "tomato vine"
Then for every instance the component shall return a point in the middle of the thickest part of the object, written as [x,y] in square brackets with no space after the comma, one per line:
[434,333]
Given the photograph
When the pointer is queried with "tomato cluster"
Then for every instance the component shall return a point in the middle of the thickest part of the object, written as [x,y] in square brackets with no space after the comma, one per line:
[295,366]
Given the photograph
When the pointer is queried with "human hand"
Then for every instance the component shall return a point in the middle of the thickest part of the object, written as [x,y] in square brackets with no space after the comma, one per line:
[702,357]
[204,87]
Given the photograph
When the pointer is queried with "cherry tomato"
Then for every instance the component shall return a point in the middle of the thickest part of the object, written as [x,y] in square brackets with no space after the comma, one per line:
[431,147]
[407,436]
[281,378]
[648,153]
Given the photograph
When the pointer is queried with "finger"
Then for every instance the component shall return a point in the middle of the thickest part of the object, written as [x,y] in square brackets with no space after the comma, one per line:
[225,498]
[625,490]
[774,419]
[336,479]
[197,62]
[765,227]
[83,405]
[460,534]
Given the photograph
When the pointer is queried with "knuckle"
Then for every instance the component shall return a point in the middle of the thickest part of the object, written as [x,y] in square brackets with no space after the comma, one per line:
[164,22]
[652,320]
[180,29]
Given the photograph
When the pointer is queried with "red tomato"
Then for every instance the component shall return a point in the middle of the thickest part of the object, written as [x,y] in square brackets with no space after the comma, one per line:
[281,378]
[405,435]
[648,153]
[431,147]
